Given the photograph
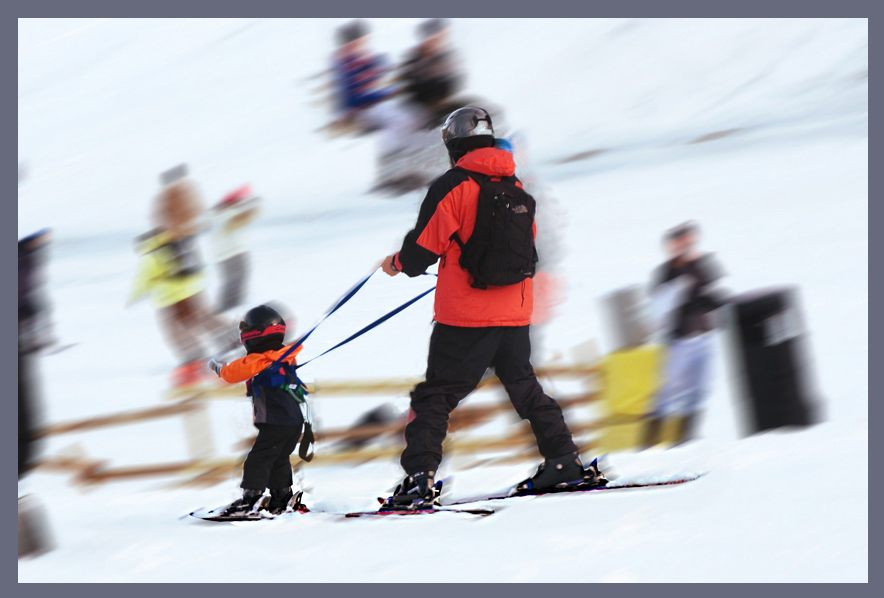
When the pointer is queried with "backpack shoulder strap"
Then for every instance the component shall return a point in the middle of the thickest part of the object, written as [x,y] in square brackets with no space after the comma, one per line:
[479,178]
[476,176]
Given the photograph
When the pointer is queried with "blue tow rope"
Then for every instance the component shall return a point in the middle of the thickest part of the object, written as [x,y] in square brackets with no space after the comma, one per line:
[347,296]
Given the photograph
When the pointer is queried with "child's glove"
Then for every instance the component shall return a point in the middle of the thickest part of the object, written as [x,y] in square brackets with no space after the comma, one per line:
[215,366]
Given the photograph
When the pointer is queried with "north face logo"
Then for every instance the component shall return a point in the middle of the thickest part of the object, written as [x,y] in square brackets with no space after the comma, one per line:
[520,209]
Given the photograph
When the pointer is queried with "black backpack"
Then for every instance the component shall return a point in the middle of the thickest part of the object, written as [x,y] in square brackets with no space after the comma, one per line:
[501,251]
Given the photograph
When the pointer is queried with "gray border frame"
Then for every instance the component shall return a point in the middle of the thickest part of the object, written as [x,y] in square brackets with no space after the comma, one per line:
[393,8]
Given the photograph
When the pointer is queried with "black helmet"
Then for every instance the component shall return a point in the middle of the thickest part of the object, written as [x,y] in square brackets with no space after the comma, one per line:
[467,129]
[351,32]
[262,329]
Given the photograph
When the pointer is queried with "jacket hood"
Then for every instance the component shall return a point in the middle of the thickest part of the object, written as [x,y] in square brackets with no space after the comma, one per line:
[490,161]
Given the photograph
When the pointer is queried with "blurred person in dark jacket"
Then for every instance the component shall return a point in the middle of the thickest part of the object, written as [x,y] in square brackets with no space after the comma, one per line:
[34,537]
[367,100]
[34,334]
[35,328]
[431,73]
[686,293]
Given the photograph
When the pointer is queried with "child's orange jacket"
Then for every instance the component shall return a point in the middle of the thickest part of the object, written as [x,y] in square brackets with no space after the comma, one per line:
[273,406]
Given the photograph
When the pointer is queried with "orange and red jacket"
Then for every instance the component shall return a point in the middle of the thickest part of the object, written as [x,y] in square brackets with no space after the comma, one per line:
[449,208]
[253,364]
[270,405]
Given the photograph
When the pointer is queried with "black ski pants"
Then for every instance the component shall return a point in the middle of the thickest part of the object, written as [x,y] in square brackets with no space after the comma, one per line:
[267,464]
[457,361]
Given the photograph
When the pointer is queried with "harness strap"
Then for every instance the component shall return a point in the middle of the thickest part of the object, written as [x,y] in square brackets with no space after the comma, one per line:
[347,296]
[374,324]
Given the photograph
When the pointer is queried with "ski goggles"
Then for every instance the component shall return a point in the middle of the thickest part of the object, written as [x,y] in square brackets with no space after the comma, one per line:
[245,335]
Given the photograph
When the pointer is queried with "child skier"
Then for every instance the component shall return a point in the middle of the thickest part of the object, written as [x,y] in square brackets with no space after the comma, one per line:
[277,396]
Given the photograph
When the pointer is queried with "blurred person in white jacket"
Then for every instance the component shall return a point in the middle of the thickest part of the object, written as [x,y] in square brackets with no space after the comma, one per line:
[229,219]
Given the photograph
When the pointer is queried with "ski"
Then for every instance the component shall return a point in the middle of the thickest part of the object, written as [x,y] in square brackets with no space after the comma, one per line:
[452,507]
[608,487]
[429,510]
[479,512]
[260,514]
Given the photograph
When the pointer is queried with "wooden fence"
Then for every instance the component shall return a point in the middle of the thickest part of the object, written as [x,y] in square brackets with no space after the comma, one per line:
[353,445]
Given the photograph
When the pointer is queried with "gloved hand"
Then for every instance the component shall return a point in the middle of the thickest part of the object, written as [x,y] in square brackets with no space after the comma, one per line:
[389,265]
[215,366]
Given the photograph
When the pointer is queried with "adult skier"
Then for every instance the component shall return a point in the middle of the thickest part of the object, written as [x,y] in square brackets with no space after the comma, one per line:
[477,325]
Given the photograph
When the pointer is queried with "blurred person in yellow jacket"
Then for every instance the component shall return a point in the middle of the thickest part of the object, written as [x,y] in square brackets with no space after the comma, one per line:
[171,272]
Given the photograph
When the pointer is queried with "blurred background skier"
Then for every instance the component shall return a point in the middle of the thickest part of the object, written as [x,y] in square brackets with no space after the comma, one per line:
[365,103]
[172,272]
[428,81]
[34,334]
[34,308]
[685,294]
[229,219]
[432,73]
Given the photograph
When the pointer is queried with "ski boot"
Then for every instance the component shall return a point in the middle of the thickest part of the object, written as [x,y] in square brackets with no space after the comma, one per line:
[248,505]
[416,493]
[283,500]
[562,473]
[279,500]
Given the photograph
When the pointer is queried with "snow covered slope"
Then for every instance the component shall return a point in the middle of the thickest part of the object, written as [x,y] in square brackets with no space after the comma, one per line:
[777,177]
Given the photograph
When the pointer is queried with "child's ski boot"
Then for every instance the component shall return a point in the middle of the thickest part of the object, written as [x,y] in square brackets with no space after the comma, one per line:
[248,505]
[283,500]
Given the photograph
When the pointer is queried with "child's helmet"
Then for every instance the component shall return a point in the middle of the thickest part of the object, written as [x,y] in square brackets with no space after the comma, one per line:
[260,327]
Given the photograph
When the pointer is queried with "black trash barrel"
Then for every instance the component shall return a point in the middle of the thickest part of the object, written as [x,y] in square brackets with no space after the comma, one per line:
[769,354]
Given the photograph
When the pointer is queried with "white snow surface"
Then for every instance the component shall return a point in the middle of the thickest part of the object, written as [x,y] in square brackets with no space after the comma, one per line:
[105,105]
